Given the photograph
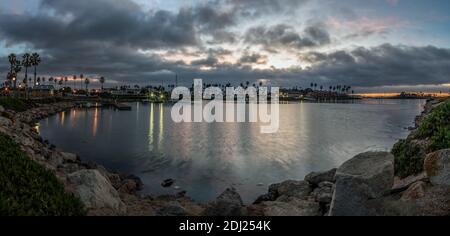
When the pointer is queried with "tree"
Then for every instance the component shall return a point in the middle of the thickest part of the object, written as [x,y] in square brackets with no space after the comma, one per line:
[35,61]
[86,82]
[12,58]
[15,67]
[81,78]
[102,81]
[65,81]
[74,82]
[26,62]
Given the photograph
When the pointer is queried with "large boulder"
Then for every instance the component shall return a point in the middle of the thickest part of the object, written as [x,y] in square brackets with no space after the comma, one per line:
[324,192]
[366,176]
[70,157]
[229,203]
[414,192]
[316,178]
[5,121]
[95,191]
[293,189]
[437,167]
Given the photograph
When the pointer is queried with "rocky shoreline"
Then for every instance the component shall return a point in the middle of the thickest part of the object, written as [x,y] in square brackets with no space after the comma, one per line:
[364,185]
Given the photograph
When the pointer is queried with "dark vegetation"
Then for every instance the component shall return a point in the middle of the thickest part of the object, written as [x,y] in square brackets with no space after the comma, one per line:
[28,189]
[432,135]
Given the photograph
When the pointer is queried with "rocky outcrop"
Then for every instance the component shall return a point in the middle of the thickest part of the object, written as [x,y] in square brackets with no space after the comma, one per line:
[311,197]
[361,186]
[95,191]
[366,176]
[437,167]
[316,178]
[229,203]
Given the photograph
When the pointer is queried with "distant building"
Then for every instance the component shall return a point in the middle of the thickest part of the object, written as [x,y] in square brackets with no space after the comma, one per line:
[43,91]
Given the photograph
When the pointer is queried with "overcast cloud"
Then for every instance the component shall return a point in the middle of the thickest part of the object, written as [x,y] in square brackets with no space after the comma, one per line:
[289,43]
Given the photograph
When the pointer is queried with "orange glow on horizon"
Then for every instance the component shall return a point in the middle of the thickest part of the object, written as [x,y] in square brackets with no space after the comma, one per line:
[375,95]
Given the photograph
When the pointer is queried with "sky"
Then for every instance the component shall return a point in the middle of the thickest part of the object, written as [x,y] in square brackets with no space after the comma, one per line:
[371,45]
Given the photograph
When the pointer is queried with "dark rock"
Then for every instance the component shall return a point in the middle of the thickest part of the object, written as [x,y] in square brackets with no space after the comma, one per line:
[437,167]
[414,192]
[173,209]
[129,186]
[229,203]
[181,194]
[167,183]
[264,198]
[137,180]
[293,188]
[324,192]
[315,178]
[366,176]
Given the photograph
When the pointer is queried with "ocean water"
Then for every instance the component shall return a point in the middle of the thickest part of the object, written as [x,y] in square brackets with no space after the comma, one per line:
[206,158]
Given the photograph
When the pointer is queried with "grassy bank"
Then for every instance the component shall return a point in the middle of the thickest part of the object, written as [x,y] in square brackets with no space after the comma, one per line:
[433,134]
[28,189]
[14,104]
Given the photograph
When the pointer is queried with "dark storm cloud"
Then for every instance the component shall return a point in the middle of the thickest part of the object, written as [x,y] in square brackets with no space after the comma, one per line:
[253,58]
[283,36]
[258,8]
[116,39]
[382,65]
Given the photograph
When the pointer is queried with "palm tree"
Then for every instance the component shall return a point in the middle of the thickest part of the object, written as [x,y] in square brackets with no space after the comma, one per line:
[35,61]
[81,78]
[43,80]
[26,62]
[65,81]
[102,81]
[60,83]
[86,82]
[50,80]
[74,82]
[38,80]
[12,61]
[15,67]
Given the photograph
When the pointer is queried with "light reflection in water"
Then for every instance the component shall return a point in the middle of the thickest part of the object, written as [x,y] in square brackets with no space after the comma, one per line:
[161,124]
[207,158]
[63,116]
[151,128]
[95,122]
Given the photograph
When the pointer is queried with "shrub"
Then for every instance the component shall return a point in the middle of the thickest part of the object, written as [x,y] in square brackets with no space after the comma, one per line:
[409,158]
[13,104]
[28,189]
[435,129]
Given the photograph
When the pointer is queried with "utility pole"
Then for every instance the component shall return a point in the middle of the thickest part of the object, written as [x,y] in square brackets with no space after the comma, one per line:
[176,80]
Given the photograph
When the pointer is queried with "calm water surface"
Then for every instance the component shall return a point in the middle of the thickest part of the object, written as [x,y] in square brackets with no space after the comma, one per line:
[207,158]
